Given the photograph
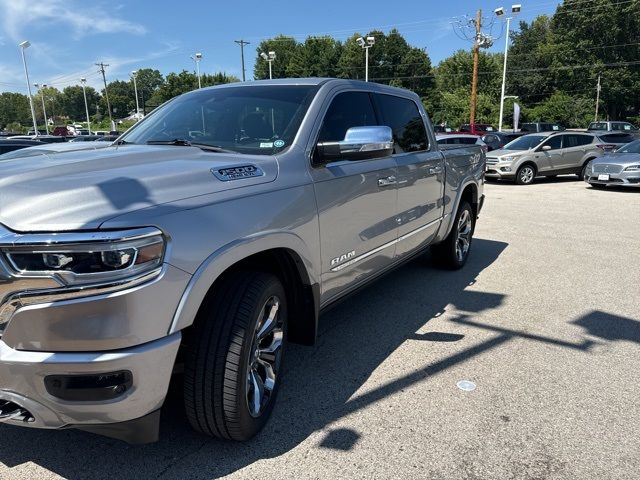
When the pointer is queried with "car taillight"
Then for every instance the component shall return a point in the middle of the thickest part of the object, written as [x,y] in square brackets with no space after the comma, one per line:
[606,146]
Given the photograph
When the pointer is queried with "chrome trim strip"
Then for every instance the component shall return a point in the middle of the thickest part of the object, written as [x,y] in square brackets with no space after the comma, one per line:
[382,247]
[12,239]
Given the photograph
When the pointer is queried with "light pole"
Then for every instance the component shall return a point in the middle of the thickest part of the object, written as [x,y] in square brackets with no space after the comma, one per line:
[83,81]
[44,110]
[269,58]
[196,58]
[366,44]
[134,74]
[515,10]
[23,46]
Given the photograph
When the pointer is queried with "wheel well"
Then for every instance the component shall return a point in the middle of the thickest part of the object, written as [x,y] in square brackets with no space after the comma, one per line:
[588,160]
[470,194]
[302,296]
[530,164]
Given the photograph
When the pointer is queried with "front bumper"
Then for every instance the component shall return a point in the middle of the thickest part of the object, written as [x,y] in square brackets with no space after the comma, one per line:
[22,382]
[622,179]
[500,170]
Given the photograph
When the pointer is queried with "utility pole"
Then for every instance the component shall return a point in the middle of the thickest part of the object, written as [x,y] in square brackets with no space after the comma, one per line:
[476,57]
[106,92]
[597,99]
[242,43]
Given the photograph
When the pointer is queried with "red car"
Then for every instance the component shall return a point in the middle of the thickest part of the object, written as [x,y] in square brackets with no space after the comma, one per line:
[61,132]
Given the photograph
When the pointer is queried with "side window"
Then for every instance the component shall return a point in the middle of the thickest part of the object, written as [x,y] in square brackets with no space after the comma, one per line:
[584,139]
[403,116]
[554,142]
[348,109]
[571,141]
[469,141]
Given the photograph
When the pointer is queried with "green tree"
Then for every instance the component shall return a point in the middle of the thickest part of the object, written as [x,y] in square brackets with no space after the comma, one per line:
[148,81]
[72,102]
[121,98]
[284,47]
[14,108]
[567,110]
[316,57]
[178,83]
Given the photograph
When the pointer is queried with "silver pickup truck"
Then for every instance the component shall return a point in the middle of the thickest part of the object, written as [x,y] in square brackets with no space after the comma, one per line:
[206,238]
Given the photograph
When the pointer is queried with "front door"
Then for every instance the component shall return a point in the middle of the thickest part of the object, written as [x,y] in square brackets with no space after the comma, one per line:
[420,173]
[550,160]
[356,201]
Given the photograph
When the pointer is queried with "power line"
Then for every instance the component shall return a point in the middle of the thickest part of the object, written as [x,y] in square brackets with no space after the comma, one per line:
[242,43]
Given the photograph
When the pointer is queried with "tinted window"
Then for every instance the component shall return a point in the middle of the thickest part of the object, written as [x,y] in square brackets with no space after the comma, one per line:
[555,142]
[9,148]
[584,139]
[571,141]
[348,109]
[403,116]
[529,127]
[598,126]
[524,143]
[467,140]
[617,138]
[490,139]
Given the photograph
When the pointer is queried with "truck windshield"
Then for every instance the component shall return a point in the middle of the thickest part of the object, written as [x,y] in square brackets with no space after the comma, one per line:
[524,143]
[260,120]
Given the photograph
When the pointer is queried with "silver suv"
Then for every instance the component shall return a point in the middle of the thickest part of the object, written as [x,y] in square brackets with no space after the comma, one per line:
[545,154]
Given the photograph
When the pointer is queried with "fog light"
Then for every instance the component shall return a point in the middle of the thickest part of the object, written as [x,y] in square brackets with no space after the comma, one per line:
[505,169]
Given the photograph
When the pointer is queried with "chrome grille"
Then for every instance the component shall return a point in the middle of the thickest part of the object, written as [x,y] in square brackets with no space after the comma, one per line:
[607,168]
[492,160]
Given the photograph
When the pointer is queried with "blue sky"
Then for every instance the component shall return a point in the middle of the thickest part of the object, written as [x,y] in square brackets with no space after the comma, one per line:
[69,36]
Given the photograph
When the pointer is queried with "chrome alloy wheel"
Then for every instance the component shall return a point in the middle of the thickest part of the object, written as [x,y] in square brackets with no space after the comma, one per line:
[526,175]
[463,239]
[265,356]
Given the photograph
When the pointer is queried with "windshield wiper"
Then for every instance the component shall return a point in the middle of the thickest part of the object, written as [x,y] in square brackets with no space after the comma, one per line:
[176,141]
[186,143]
[122,142]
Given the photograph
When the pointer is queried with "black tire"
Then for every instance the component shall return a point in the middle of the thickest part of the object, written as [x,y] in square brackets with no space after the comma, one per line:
[526,174]
[445,254]
[222,353]
[583,170]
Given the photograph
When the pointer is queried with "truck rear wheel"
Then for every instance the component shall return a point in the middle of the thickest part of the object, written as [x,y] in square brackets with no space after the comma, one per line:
[233,367]
[453,251]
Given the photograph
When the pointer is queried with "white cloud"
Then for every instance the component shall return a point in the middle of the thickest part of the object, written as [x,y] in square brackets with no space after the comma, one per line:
[83,19]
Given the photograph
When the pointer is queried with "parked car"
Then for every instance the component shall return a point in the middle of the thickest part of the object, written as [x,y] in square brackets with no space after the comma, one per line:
[61,132]
[82,132]
[7,146]
[459,139]
[497,140]
[620,168]
[48,148]
[40,132]
[206,240]
[613,126]
[40,138]
[537,127]
[86,138]
[441,129]
[478,129]
[544,154]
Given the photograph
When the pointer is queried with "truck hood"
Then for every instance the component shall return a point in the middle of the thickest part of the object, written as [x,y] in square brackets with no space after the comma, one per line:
[81,190]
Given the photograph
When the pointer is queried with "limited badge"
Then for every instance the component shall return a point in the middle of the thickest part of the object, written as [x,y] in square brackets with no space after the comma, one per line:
[278,143]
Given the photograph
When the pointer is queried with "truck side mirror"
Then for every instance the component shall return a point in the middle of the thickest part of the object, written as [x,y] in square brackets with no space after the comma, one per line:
[360,143]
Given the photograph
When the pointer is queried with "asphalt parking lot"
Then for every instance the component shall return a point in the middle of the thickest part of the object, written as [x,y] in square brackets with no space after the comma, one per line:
[544,319]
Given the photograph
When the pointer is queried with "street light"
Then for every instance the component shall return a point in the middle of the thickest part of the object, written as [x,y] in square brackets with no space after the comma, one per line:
[196,58]
[23,46]
[366,44]
[269,58]
[134,74]
[83,81]
[500,13]
[44,110]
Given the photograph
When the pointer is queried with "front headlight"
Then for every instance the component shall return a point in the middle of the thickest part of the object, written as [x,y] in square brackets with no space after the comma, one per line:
[507,159]
[79,259]
[632,168]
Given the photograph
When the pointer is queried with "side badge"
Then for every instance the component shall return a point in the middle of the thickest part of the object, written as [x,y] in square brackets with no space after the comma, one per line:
[237,173]
[278,143]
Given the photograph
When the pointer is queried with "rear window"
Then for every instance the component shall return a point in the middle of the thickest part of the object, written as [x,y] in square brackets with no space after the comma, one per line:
[617,138]
[598,126]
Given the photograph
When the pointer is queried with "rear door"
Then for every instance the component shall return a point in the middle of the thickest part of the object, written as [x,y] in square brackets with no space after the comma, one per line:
[550,160]
[420,172]
[574,148]
[357,201]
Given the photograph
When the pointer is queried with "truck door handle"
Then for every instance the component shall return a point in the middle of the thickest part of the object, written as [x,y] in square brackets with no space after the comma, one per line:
[434,170]
[385,182]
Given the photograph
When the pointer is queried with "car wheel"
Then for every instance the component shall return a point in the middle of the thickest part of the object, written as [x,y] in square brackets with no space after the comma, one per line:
[583,170]
[453,251]
[234,362]
[525,175]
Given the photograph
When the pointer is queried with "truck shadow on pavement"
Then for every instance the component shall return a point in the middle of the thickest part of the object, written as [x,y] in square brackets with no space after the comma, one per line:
[355,338]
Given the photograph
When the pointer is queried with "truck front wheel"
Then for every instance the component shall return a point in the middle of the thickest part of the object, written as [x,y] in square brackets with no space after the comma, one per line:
[233,368]
[453,251]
